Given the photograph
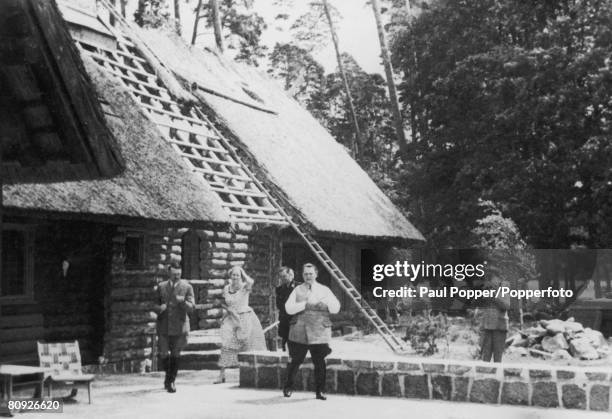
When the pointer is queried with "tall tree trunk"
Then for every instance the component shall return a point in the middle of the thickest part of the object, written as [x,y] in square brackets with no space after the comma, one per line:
[214,7]
[111,19]
[1,204]
[384,53]
[349,97]
[196,20]
[177,17]
[140,10]
[414,120]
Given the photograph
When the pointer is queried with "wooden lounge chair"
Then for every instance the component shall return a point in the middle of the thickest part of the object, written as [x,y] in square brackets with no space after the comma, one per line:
[62,361]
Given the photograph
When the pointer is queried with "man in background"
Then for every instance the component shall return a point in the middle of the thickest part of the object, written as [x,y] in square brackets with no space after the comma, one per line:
[282,295]
[495,324]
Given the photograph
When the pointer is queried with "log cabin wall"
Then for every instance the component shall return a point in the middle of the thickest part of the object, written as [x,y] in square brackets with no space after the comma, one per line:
[138,264]
[62,305]
[207,254]
[106,298]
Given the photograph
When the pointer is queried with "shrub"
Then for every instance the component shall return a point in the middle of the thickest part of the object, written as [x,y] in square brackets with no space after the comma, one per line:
[423,333]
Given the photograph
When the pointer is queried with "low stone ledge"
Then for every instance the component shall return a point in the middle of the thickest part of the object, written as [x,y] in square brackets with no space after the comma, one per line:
[515,393]
[513,372]
[486,370]
[596,376]
[459,369]
[573,397]
[539,373]
[452,380]
[435,368]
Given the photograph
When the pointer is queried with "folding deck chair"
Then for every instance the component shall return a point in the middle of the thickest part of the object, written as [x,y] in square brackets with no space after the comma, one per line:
[62,361]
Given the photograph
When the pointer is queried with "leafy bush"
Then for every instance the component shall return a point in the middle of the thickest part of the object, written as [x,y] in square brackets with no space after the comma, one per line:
[423,333]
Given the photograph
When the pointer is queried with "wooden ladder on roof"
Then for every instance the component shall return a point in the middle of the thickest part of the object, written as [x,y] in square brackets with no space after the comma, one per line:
[208,153]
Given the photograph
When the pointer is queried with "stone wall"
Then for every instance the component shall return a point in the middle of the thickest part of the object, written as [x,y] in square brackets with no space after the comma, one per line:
[460,381]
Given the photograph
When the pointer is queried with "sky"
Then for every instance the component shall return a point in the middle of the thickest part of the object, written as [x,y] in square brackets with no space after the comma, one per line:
[356,30]
[356,33]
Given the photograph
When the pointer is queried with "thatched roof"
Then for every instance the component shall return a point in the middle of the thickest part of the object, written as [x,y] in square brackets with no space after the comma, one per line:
[315,173]
[51,126]
[156,185]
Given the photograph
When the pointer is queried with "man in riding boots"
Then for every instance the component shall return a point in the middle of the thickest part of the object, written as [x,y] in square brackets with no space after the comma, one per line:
[175,300]
[310,304]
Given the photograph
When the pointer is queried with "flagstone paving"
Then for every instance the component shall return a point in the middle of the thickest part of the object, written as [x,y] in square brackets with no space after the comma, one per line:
[142,396]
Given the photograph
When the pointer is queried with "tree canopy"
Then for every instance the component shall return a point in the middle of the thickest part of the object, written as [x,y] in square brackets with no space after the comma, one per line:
[509,102]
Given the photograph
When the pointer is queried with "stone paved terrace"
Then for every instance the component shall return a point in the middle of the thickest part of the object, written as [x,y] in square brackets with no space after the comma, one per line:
[378,374]
[134,396]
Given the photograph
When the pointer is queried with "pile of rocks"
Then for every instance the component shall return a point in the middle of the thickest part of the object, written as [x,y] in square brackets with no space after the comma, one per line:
[560,339]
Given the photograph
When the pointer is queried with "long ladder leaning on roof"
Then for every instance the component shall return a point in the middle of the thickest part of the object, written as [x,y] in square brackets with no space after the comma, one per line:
[209,153]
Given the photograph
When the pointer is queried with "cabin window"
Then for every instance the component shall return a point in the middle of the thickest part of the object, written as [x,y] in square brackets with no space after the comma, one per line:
[190,255]
[134,251]
[17,262]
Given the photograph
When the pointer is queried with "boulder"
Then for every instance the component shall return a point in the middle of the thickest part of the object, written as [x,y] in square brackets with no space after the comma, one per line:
[514,339]
[523,342]
[581,348]
[517,340]
[518,350]
[573,327]
[536,332]
[595,337]
[555,326]
[561,354]
[554,343]
[604,351]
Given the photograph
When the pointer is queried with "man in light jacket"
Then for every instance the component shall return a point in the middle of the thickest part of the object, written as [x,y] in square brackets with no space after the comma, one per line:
[310,304]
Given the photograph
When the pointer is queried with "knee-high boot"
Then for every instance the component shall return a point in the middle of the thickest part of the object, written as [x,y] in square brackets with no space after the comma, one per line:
[173,372]
[164,363]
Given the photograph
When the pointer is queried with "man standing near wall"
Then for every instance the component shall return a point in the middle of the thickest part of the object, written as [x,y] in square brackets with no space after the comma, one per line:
[310,330]
[175,302]
[282,295]
[495,325]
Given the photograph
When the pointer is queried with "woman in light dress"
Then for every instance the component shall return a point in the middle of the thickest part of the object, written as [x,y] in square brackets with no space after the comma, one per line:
[240,330]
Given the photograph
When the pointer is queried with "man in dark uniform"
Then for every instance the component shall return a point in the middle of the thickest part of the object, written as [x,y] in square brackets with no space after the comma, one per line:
[175,301]
[310,328]
[282,294]
[495,324]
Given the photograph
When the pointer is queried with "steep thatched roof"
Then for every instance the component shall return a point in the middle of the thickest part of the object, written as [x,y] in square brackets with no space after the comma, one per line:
[299,156]
[156,185]
[51,127]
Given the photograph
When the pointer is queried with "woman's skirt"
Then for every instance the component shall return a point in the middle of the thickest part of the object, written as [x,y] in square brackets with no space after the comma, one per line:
[246,335]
